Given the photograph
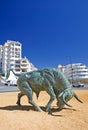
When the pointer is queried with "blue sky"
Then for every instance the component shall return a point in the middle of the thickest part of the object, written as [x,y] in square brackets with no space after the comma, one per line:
[52,32]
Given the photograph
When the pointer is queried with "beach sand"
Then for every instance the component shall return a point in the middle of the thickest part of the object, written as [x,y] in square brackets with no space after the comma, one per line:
[13,117]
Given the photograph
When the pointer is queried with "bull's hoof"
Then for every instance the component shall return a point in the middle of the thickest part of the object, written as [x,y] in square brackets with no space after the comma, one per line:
[49,111]
[18,104]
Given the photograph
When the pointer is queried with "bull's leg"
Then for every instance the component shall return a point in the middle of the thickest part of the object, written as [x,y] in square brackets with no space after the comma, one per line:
[28,91]
[19,98]
[50,91]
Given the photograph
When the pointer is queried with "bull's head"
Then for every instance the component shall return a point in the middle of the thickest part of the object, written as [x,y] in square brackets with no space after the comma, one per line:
[65,96]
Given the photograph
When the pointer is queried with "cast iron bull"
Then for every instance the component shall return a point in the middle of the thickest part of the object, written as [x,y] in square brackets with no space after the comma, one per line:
[50,80]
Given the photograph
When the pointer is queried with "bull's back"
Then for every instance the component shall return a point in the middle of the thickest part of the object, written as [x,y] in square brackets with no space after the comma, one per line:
[34,80]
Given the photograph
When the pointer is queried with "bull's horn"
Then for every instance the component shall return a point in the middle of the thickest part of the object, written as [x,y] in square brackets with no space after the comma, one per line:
[65,101]
[77,98]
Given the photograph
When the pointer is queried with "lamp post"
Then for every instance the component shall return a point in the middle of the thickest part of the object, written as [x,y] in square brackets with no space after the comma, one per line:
[70,58]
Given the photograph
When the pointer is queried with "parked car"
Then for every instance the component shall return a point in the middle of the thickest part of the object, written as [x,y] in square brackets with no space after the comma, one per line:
[78,84]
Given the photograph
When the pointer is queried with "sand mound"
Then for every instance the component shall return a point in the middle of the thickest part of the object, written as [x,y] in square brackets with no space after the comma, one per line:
[13,117]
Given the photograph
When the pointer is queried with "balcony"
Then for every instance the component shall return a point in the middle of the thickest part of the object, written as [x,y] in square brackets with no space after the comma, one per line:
[24,67]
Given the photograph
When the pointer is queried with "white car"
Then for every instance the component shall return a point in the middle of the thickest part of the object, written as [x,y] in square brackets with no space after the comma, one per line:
[78,84]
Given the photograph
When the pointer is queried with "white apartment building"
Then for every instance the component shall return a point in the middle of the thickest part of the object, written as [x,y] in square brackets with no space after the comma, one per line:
[27,66]
[1,57]
[11,58]
[76,71]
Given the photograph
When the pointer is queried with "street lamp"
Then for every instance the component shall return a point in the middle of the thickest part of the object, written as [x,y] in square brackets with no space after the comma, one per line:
[70,58]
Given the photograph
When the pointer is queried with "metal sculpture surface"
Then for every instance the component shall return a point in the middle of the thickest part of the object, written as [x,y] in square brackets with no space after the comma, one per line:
[50,80]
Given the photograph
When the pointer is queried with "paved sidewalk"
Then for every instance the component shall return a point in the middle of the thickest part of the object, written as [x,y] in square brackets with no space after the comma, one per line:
[5,88]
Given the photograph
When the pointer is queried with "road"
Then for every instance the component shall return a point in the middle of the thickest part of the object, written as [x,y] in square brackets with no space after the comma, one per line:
[82,88]
[5,88]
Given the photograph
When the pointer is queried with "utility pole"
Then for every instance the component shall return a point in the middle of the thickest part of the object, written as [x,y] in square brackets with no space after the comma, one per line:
[70,58]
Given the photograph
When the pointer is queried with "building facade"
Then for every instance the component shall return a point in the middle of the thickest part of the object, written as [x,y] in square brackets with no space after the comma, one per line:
[76,71]
[26,65]
[11,58]
[1,52]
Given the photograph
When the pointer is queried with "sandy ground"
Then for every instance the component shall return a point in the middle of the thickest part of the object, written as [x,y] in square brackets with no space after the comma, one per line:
[13,117]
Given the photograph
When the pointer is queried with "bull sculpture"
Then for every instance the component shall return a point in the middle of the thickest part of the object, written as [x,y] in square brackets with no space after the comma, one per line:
[52,81]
